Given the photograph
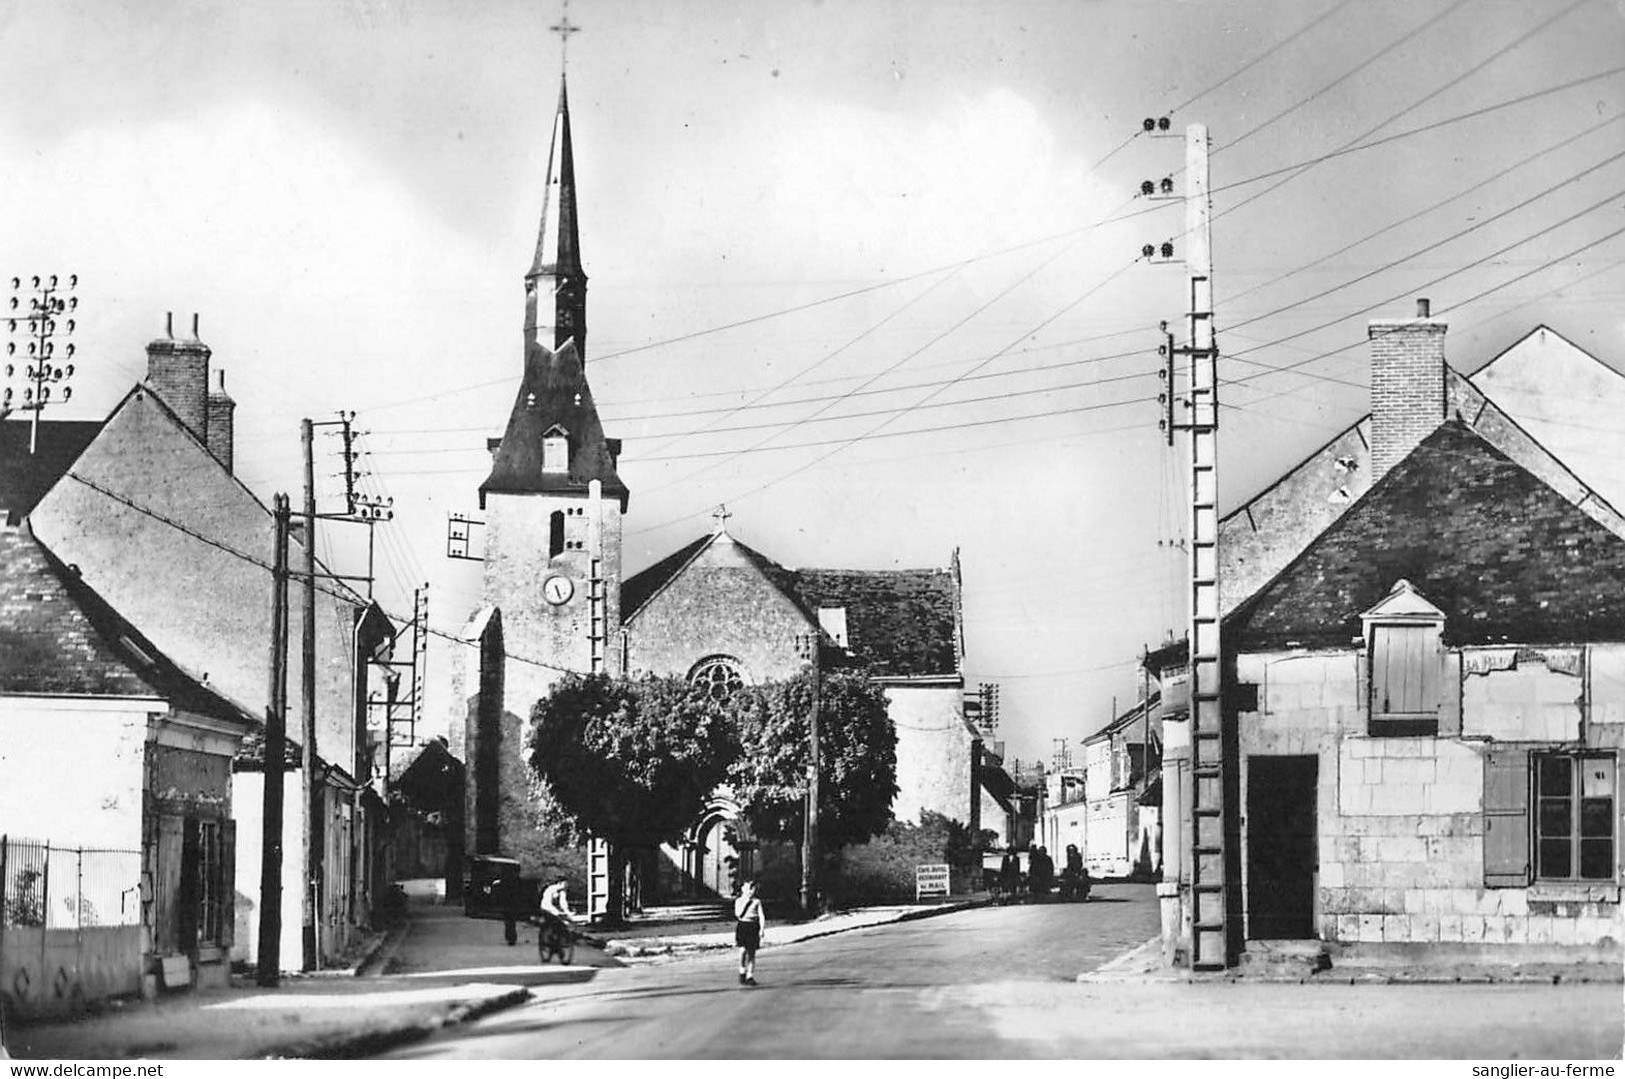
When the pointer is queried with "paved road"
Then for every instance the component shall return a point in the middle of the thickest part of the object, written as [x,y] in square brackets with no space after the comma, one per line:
[999,983]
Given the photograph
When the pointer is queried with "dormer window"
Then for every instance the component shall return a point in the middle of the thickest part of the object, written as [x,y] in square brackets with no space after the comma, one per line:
[1404,648]
[556,449]
[832,620]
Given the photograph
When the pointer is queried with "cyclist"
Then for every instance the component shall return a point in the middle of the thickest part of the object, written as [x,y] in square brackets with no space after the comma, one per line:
[554,908]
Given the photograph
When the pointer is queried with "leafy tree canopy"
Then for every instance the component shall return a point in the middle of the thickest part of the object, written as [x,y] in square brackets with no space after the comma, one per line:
[857,746]
[632,759]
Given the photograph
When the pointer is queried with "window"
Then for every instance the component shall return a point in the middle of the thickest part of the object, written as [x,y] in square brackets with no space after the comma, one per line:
[555,534]
[556,449]
[1405,663]
[1574,819]
[719,675]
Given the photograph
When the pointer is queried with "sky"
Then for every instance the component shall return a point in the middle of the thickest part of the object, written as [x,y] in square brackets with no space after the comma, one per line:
[868,273]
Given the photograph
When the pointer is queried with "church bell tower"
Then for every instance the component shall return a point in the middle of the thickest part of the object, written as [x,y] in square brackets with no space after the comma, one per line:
[553,501]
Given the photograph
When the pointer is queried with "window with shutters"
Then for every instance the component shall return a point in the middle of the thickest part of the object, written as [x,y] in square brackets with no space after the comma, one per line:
[1575,837]
[1403,636]
[1406,665]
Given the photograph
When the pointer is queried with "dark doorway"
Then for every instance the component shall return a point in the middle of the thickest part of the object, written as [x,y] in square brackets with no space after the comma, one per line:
[1281,854]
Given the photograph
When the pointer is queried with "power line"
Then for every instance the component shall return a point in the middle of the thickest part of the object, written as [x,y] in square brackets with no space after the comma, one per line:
[1451,307]
[1355,70]
[1428,284]
[1424,99]
[1436,244]
[1265,55]
[1499,174]
[347,597]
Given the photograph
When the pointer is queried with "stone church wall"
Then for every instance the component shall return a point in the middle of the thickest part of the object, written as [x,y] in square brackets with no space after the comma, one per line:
[721,605]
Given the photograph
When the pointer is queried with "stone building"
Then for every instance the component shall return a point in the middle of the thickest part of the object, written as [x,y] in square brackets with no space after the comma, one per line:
[155,478]
[1421,644]
[1431,702]
[555,597]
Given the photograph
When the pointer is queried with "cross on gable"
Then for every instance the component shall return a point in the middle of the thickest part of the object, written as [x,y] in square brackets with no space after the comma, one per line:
[721,517]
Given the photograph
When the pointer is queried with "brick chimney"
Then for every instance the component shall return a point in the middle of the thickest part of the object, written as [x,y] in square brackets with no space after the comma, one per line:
[222,412]
[178,371]
[1407,385]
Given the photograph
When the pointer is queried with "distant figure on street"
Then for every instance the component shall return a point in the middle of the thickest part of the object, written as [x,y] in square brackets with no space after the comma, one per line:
[1010,874]
[555,902]
[1040,873]
[749,922]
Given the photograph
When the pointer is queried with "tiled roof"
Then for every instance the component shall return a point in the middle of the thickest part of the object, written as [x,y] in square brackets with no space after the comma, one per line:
[1501,553]
[25,476]
[554,392]
[899,621]
[58,637]
[636,589]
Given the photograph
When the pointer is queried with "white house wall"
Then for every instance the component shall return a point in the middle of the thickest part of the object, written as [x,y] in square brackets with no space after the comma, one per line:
[933,752]
[71,771]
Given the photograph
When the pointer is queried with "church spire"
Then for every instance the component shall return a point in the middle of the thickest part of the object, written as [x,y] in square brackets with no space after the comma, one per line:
[556,286]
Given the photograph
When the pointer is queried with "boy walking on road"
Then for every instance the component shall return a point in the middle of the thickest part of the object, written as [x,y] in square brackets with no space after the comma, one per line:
[749,922]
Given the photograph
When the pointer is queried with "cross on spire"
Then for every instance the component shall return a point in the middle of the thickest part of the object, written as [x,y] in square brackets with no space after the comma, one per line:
[721,517]
[564,28]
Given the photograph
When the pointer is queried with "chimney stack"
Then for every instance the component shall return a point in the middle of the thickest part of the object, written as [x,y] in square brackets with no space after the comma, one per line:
[1407,385]
[178,371]
[222,412]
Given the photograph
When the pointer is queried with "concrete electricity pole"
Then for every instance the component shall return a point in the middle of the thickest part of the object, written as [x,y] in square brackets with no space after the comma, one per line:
[1209,937]
[1194,888]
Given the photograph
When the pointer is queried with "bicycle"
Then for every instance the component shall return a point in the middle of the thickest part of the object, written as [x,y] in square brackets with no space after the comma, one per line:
[554,939]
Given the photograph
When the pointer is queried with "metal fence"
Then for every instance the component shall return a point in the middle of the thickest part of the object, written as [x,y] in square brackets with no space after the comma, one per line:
[67,887]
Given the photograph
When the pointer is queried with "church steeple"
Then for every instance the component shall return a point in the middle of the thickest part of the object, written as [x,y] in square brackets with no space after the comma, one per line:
[556,286]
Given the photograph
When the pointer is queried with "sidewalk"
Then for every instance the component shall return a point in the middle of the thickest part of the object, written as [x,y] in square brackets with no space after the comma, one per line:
[1144,964]
[441,968]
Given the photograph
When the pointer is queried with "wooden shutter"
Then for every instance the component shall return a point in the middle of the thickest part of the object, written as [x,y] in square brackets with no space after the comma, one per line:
[190,894]
[1506,818]
[167,887]
[228,883]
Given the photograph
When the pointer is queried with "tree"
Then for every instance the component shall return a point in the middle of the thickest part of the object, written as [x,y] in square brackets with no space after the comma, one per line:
[857,747]
[632,759]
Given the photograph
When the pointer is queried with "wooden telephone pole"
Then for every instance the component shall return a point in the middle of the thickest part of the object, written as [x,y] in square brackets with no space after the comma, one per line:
[268,967]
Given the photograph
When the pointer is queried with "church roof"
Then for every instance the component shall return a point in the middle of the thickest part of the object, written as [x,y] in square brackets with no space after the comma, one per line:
[554,392]
[902,623]
[1504,556]
[25,476]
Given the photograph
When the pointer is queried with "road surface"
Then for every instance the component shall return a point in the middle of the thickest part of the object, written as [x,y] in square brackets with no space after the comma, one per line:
[1000,982]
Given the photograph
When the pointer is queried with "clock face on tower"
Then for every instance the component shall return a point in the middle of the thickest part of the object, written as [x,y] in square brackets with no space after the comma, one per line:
[557,589]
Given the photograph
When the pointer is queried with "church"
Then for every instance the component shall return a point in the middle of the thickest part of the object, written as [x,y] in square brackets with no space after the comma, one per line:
[555,599]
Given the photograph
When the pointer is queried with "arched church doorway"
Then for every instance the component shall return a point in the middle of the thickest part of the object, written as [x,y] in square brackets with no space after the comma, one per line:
[720,851]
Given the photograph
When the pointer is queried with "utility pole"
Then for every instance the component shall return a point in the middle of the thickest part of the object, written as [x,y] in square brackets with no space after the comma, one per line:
[307,690]
[1210,937]
[40,372]
[809,858]
[1194,889]
[268,969]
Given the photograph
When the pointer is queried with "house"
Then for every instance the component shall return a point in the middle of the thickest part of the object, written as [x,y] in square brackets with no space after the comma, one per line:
[1438,539]
[151,516]
[117,858]
[1122,763]
[1430,703]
